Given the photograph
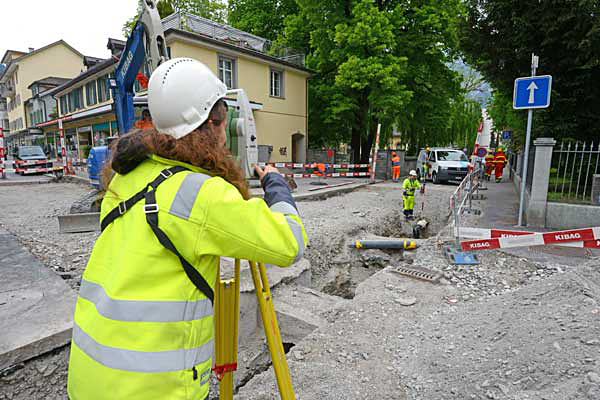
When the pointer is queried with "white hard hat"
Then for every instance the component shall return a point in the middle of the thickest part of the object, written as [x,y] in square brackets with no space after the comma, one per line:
[412,172]
[181,93]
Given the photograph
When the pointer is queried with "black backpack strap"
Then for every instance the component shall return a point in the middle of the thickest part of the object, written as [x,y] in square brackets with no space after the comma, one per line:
[127,204]
[151,210]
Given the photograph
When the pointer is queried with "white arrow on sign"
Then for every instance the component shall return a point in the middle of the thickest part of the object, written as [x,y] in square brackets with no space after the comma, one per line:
[532,87]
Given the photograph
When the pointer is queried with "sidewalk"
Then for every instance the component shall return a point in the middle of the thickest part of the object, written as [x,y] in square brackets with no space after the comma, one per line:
[36,305]
[500,210]
[501,207]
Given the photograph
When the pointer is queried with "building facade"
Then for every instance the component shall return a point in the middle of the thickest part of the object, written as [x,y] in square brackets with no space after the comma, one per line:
[274,79]
[57,59]
[276,85]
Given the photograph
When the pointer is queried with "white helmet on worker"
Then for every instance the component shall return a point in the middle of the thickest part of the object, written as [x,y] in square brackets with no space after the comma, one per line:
[412,172]
[181,93]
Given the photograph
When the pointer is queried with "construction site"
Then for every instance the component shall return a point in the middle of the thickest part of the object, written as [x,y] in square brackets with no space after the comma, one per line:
[434,276]
[521,324]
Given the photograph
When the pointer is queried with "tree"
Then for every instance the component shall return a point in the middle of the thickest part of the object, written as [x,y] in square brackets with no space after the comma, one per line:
[264,18]
[381,61]
[498,37]
[214,10]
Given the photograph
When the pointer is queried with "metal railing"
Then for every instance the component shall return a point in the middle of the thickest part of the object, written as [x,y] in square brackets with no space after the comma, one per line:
[463,196]
[572,170]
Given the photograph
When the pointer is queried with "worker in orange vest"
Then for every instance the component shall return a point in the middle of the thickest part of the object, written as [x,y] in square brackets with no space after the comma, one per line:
[489,164]
[145,122]
[318,169]
[395,167]
[499,163]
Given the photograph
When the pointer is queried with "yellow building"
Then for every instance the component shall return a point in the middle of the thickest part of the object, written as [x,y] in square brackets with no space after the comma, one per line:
[275,81]
[85,106]
[274,78]
[57,59]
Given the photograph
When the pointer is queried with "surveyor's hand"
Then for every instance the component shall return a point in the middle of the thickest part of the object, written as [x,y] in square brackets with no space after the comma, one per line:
[263,171]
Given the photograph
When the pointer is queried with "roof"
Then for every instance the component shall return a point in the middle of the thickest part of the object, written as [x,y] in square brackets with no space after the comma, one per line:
[89,72]
[202,29]
[8,52]
[89,61]
[115,46]
[25,55]
[49,81]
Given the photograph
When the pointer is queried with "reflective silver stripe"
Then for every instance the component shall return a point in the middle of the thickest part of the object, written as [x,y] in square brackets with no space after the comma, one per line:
[144,311]
[141,361]
[284,208]
[297,231]
[186,195]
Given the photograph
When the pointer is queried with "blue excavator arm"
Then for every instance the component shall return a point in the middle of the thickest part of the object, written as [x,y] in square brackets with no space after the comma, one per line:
[146,44]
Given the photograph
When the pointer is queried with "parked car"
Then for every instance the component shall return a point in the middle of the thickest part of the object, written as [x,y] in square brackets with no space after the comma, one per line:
[444,164]
[30,159]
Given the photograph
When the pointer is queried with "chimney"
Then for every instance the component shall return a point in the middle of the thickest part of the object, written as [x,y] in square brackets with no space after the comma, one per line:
[31,49]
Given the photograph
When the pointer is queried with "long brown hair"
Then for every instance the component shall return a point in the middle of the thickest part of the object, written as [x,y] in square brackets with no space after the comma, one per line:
[201,148]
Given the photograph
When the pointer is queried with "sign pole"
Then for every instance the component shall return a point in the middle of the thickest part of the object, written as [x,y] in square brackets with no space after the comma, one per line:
[2,153]
[534,64]
[374,165]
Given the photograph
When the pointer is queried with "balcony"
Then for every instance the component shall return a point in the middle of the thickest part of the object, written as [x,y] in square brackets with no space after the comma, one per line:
[7,90]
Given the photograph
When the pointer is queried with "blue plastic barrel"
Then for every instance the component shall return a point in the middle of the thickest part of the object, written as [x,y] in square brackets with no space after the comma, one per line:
[96,159]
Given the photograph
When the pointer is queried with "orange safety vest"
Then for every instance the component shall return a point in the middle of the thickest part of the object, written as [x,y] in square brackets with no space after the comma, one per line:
[319,169]
[500,158]
[396,161]
[489,159]
[141,124]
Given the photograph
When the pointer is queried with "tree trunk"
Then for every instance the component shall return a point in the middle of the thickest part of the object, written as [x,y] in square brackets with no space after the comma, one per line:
[355,143]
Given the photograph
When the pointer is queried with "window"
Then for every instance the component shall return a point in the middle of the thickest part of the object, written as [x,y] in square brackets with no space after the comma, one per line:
[227,73]
[76,99]
[18,100]
[276,89]
[63,105]
[103,89]
[90,93]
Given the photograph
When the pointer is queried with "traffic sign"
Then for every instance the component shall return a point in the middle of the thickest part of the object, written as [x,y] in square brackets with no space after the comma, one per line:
[481,152]
[506,136]
[532,92]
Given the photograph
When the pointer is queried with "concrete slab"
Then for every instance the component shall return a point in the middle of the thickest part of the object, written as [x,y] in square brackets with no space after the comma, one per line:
[36,305]
[249,322]
[300,310]
[81,222]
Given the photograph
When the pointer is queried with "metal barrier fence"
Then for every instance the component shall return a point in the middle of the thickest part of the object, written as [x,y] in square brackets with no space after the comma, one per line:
[463,195]
[572,170]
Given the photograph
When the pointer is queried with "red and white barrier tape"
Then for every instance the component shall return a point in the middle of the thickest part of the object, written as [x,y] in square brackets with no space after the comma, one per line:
[294,165]
[332,175]
[590,238]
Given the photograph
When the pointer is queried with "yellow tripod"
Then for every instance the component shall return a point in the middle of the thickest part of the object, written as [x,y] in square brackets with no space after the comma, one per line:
[227,308]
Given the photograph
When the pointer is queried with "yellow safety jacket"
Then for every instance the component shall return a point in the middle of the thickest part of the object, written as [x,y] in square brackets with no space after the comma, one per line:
[142,329]
[410,187]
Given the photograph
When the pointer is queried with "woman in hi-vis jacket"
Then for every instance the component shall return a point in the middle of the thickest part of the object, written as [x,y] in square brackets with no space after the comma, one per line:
[176,203]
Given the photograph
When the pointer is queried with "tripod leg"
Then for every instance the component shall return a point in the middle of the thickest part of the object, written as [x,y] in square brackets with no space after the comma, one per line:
[227,307]
[267,312]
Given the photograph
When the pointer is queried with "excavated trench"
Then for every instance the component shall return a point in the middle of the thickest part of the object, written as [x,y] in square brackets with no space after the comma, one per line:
[340,271]
[348,267]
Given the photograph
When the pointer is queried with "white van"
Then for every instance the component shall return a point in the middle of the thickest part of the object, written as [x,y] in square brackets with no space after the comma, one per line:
[444,164]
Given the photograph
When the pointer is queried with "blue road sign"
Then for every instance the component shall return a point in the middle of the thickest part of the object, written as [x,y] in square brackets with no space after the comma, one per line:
[506,136]
[532,92]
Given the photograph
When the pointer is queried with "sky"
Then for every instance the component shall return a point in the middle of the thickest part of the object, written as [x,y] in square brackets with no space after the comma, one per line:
[84,24]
